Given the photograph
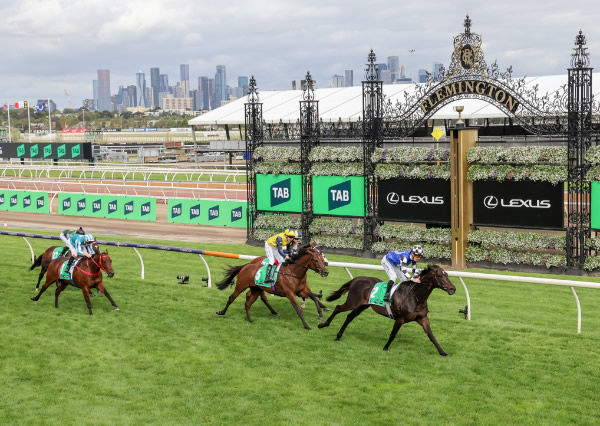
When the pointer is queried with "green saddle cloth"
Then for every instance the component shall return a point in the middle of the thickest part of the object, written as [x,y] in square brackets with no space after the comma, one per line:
[64,272]
[376,297]
[57,252]
[261,274]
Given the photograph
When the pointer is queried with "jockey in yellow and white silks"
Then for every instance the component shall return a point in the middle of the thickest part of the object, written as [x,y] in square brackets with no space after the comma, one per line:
[275,246]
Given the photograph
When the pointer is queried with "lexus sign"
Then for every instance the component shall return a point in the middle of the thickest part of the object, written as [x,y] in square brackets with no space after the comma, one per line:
[414,200]
[518,204]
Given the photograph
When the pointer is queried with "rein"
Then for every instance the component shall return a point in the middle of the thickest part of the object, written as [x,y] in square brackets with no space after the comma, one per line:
[99,265]
[306,268]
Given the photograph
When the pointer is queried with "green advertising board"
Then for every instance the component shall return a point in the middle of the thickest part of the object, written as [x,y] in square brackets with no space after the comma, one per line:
[208,212]
[595,207]
[107,206]
[339,196]
[281,193]
[24,201]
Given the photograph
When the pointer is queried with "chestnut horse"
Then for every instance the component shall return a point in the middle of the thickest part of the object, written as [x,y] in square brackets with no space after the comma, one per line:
[86,275]
[409,301]
[44,259]
[291,281]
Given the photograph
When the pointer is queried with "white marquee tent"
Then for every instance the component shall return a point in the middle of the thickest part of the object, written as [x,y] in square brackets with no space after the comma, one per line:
[346,103]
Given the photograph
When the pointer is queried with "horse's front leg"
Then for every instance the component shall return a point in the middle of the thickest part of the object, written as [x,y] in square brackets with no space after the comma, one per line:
[236,293]
[86,296]
[292,298]
[427,327]
[102,289]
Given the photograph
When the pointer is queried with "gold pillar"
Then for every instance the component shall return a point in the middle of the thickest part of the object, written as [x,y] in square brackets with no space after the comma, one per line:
[461,193]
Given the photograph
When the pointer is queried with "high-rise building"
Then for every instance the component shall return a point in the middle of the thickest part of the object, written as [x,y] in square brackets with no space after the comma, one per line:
[131,96]
[386,76]
[184,72]
[164,83]
[212,96]
[422,76]
[104,103]
[337,81]
[243,81]
[380,69]
[220,85]
[204,102]
[95,97]
[155,85]
[348,78]
[140,85]
[393,64]
[436,70]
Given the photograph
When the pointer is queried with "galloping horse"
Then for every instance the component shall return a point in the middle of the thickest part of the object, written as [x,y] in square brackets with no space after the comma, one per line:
[291,281]
[259,260]
[45,258]
[86,275]
[409,301]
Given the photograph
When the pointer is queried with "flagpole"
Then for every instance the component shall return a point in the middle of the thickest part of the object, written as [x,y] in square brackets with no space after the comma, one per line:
[9,137]
[29,121]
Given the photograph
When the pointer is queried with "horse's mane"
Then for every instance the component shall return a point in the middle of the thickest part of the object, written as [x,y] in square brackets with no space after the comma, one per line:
[428,270]
[302,250]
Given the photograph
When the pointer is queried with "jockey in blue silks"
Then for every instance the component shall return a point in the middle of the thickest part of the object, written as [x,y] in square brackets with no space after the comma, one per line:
[396,264]
[80,245]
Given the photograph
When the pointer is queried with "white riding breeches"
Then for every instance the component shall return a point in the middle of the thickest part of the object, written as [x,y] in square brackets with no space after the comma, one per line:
[272,254]
[67,242]
[393,271]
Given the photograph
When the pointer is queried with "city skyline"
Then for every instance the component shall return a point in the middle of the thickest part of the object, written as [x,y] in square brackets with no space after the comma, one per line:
[276,44]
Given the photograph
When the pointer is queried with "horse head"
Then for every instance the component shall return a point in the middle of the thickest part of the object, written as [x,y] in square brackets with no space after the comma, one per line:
[105,263]
[438,277]
[315,258]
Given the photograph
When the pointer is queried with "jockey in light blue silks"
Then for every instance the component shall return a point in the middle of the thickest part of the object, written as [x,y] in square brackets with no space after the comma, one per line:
[80,245]
[396,263]
[65,237]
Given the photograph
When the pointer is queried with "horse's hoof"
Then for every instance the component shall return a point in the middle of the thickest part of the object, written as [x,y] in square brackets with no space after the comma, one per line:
[326,309]
[308,328]
[321,325]
[117,308]
[276,314]
[34,299]
[220,313]
[444,354]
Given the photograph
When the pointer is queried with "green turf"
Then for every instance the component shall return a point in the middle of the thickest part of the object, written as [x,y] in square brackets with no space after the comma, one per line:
[166,358]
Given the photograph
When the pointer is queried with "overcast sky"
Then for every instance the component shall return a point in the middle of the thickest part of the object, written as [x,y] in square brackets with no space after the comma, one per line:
[53,46]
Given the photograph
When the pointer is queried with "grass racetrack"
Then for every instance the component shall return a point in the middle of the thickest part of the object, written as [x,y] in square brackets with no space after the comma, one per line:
[167,358]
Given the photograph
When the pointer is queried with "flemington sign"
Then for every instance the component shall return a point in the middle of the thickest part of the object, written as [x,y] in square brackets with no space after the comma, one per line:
[470,87]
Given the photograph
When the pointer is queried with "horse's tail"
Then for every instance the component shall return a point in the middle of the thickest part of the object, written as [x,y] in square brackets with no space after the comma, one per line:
[337,294]
[229,276]
[38,262]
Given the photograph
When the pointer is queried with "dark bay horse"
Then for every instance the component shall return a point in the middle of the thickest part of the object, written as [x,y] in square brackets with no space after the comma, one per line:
[291,281]
[86,275]
[409,301]
[44,259]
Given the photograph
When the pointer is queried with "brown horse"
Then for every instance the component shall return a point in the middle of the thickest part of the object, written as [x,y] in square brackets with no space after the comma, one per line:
[86,275]
[409,301]
[291,281]
[45,258]
[260,259]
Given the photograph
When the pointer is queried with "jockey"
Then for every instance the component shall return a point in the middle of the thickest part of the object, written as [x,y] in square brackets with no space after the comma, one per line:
[396,263]
[65,237]
[80,245]
[274,249]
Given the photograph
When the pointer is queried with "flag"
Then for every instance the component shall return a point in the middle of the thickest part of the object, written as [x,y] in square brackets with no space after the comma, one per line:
[5,106]
[40,107]
[19,105]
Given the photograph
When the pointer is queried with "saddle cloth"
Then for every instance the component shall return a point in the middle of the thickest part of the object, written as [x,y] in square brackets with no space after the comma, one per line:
[376,297]
[57,252]
[261,274]
[66,275]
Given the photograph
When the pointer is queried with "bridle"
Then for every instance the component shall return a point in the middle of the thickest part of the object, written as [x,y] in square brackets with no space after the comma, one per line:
[313,258]
[99,264]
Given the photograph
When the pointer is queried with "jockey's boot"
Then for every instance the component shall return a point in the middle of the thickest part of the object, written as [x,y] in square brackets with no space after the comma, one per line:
[64,252]
[386,298]
[269,274]
[70,263]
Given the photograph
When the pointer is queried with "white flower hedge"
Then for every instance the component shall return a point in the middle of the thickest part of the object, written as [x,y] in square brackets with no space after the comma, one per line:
[277,168]
[337,169]
[414,171]
[535,173]
[410,154]
[432,251]
[517,155]
[336,226]
[276,221]
[340,154]
[277,153]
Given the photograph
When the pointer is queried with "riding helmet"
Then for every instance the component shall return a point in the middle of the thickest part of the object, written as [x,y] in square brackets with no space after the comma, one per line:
[291,234]
[88,238]
[418,251]
[80,231]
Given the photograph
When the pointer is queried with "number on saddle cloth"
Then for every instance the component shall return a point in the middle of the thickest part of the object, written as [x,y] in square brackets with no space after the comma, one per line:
[378,292]
[261,274]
